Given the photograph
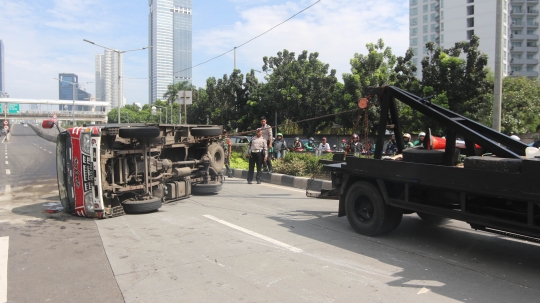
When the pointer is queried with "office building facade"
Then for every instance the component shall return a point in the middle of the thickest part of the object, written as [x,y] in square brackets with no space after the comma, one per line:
[70,89]
[524,38]
[108,67]
[2,70]
[445,22]
[170,35]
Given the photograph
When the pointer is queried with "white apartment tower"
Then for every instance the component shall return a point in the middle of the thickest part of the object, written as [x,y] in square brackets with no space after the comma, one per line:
[108,87]
[446,22]
[170,35]
[524,38]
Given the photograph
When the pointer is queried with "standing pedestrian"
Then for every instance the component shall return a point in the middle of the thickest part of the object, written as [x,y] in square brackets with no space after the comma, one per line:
[258,153]
[227,150]
[267,135]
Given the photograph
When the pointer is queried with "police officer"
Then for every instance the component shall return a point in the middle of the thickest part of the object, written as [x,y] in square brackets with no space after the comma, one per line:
[257,152]
[267,135]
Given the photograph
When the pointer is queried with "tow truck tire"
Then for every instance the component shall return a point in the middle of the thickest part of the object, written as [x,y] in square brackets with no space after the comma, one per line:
[205,189]
[366,211]
[217,156]
[433,219]
[206,131]
[139,132]
[142,206]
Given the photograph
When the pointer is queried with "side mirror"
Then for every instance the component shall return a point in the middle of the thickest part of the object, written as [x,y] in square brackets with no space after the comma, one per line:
[47,123]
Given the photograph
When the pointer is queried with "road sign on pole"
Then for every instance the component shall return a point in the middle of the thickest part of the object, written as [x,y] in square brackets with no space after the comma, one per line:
[6,127]
[6,122]
[54,116]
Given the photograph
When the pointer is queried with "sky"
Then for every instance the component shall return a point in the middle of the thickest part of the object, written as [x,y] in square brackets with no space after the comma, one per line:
[43,38]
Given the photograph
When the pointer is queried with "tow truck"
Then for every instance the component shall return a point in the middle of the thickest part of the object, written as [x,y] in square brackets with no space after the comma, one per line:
[496,189]
[107,170]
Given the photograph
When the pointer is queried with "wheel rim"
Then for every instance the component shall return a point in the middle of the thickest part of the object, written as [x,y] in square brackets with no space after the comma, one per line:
[363,208]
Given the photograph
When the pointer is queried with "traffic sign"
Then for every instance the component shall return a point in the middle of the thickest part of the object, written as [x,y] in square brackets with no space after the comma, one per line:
[6,127]
[54,116]
[6,122]
[14,108]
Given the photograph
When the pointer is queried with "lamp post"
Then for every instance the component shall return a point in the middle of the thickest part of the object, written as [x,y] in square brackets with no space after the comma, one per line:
[118,52]
[73,98]
[160,107]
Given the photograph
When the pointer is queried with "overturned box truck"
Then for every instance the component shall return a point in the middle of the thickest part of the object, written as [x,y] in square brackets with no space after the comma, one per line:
[108,170]
[495,188]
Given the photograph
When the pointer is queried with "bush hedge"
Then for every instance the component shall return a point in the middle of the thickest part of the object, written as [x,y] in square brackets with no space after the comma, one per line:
[294,164]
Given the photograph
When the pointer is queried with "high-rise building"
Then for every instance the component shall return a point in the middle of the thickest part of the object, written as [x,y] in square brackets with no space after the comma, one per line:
[108,66]
[2,67]
[170,35]
[69,86]
[445,22]
[524,38]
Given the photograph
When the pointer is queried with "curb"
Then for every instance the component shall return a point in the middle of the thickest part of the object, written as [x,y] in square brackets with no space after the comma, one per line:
[286,180]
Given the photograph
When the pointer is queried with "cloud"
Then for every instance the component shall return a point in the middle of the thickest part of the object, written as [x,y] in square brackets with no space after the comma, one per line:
[337,29]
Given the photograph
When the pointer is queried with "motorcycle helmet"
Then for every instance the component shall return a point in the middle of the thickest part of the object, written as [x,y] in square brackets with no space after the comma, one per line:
[311,139]
[406,135]
[324,138]
[422,134]
[296,139]
[279,134]
[344,141]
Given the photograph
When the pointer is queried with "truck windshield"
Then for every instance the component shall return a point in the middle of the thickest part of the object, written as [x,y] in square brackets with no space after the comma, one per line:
[61,168]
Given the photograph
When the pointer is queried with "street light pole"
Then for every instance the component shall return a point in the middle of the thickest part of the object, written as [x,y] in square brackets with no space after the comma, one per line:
[118,52]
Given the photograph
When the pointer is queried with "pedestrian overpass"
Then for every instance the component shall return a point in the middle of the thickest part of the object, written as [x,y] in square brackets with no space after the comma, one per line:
[49,110]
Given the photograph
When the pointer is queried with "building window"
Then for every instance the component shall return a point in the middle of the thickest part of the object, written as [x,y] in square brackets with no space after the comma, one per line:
[470,33]
[516,8]
[470,10]
[414,41]
[470,22]
[432,38]
[531,44]
[425,29]
[517,32]
[530,56]
[515,68]
[414,21]
[504,68]
[530,68]
[516,21]
[425,40]
[415,61]
[516,44]
[434,17]
[442,15]
[530,32]
[531,10]
[433,28]
[425,18]
[530,21]
[425,50]
[516,56]
[425,8]
[504,55]
[414,11]
[433,7]
[442,39]
[442,27]
[413,31]
[414,2]
[470,1]
[442,3]
[415,51]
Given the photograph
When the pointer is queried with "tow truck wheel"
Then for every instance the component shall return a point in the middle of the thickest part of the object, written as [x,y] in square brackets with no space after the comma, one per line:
[433,219]
[366,211]
[142,206]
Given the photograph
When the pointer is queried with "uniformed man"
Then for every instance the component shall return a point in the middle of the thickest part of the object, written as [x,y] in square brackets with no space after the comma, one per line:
[267,135]
[257,152]
[227,149]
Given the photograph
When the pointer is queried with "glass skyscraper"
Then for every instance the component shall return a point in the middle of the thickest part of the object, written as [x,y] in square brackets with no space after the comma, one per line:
[66,90]
[170,35]
[2,67]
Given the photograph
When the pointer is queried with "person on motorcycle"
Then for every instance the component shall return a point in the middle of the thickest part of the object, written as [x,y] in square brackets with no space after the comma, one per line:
[420,141]
[297,145]
[407,141]
[310,145]
[323,147]
[343,145]
[280,146]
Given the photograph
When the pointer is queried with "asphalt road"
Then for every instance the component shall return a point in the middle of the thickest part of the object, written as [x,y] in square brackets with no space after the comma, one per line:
[249,243]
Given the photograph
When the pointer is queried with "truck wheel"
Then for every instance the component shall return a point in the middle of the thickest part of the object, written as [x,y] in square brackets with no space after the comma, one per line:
[139,132]
[142,206]
[433,219]
[217,156]
[205,189]
[366,211]
[206,131]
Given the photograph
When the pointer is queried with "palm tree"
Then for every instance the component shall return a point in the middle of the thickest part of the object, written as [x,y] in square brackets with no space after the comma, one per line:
[172,91]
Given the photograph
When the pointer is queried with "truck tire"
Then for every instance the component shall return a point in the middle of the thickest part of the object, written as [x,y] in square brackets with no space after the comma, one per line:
[217,156]
[426,156]
[205,189]
[139,132]
[366,211]
[433,219]
[142,206]
[206,131]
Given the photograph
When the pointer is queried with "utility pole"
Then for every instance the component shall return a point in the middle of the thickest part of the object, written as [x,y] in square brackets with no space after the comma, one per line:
[497,92]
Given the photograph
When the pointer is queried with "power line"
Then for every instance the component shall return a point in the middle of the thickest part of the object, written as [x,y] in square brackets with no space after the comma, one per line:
[298,13]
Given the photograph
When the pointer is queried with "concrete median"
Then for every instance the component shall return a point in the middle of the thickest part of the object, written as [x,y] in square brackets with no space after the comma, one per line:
[286,180]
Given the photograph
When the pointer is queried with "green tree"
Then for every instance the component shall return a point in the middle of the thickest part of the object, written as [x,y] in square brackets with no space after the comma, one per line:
[520,105]
[299,88]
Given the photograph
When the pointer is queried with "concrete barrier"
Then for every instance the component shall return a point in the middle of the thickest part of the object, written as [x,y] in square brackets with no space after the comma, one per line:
[286,180]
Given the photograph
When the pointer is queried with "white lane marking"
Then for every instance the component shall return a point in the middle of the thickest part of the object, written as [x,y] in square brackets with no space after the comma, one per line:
[257,235]
[4,253]
[423,291]
[50,152]
[8,188]
[8,172]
